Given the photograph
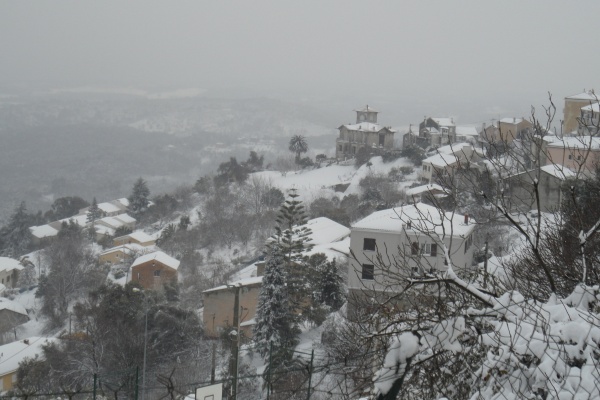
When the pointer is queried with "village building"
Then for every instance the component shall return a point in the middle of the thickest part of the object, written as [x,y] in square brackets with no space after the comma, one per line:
[573,107]
[447,160]
[12,314]
[437,131]
[365,133]
[502,133]
[428,194]
[110,208]
[581,152]
[590,120]
[519,192]
[389,247]
[219,304]
[122,254]
[153,270]
[138,237]
[12,354]
[9,271]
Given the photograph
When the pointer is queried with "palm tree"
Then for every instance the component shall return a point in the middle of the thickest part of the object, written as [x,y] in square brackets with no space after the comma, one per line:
[298,145]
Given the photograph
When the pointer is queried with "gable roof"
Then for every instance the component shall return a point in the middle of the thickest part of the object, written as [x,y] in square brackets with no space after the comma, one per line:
[6,304]
[588,95]
[325,231]
[366,109]
[8,264]
[43,231]
[140,236]
[159,256]
[13,353]
[443,121]
[578,142]
[255,280]
[424,219]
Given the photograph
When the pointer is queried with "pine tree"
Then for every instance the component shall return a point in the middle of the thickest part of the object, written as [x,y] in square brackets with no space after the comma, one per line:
[138,201]
[330,286]
[15,236]
[274,321]
[291,234]
[94,212]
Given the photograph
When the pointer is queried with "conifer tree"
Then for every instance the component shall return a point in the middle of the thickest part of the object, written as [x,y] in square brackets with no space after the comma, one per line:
[139,198]
[291,234]
[15,236]
[274,321]
[94,212]
[330,285]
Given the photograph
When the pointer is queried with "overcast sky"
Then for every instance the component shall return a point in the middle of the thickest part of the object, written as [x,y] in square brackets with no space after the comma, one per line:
[494,54]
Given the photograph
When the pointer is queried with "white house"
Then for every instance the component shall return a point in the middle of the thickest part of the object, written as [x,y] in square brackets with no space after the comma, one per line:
[9,271]
[390,246]
[446,160]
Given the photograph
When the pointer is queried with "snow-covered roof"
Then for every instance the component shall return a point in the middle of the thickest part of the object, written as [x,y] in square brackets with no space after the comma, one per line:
[43,231]
[125,218]
[592,107]
[441,160]
[126,248]
[123,201]
[589,95]
[8,264]
[424,219]
[558,171]
[104,230]
[512,120]
[159,256]
[325,230]
[367,127]
[366,109]
[109,207]
[453,148]
[13,353]
[424,188]
[241,283]
[579,142]
[113,222]
[6,304]
[466,131]
[140,236]
[443,121]
[80,220]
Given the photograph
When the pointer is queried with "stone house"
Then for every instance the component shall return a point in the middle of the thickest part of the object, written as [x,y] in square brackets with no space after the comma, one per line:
[366,133]
[572,110]
[391,246]
[519,191]
[9,271]
[437,131]
[219,303]
[154,270]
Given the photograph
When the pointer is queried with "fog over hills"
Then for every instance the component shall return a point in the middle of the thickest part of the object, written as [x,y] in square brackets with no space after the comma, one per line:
[68,143]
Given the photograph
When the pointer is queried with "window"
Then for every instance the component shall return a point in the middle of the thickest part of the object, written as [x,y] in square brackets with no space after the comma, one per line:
[157,273]
[414,249]
[570,156]
[369,244]
[368,271]
[429,249]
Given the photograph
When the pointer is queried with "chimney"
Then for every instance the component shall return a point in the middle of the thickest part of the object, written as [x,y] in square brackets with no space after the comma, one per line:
[409,225]
[514,120]
[466,219]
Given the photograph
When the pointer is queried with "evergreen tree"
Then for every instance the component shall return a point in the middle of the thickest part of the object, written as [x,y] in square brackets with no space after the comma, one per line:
[94,212]
[274,320]
[138,201]
[15,236]
[291,234]
[330,285]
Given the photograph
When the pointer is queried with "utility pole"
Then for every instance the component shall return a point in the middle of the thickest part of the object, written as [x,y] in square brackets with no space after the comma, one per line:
[233,372]
[485,262]
[310,372]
